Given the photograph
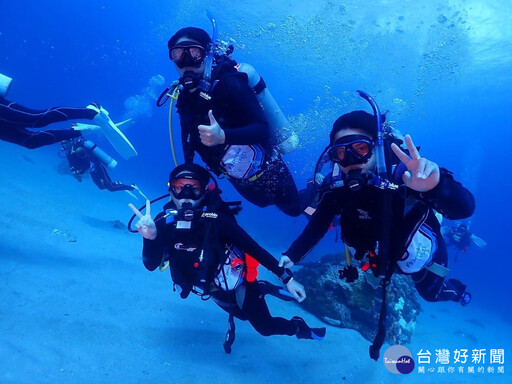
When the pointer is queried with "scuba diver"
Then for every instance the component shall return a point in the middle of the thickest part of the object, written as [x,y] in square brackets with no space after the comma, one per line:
[222,119]
[461,238]
[207,253]
[85,156]
[416,245]
[16,118]
[388,218]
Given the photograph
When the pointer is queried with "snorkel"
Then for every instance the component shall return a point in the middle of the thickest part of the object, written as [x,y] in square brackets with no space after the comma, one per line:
[205,83]
[382,246]
[382,180]
[379,143]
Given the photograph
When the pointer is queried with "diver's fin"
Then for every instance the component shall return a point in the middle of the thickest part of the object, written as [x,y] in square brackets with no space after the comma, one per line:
[136,188]
[118,140]
[230,334]
[125,123]
[318,333]
[478,241]
[131,194]
[267,288]
[94,127]
[304,331]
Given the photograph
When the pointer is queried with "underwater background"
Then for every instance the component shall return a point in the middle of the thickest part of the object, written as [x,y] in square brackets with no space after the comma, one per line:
[441,68]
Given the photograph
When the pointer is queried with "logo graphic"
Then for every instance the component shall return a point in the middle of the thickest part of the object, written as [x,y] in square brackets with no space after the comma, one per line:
[398,359]
[363,215]
[209,215]
[182,247]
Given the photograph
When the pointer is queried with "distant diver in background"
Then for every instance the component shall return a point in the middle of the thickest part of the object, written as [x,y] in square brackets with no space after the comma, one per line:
[222,119]
[207,252]
[461,238]
[16,118]
[85,156]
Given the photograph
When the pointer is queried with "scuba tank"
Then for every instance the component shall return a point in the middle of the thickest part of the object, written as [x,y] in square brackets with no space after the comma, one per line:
[5,85]
[97,152]
[284,137]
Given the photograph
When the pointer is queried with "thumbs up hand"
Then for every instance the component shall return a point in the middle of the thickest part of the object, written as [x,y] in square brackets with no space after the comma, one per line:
[212,134]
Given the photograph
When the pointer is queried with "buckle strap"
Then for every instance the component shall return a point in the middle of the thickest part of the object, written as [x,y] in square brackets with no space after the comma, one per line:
[438,269]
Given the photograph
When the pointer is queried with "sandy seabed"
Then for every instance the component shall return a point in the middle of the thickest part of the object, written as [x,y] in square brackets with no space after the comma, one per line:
[77,305]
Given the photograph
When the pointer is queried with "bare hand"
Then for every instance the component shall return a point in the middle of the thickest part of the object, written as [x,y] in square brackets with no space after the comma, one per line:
[212,134]
[297,290]
[146,226]
[422,175]
[286,262]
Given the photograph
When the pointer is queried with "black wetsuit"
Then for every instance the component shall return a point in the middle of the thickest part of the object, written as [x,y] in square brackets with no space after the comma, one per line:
[102,179]
[15,119]
[458,237]
[84,161]
[359,219]
[236,109]
[181,244]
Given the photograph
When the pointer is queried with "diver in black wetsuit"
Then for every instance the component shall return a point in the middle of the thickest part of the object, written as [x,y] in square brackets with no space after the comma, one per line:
[417,246]
[226,126]
[205,249]
[15,119]
[460,237]
[85,156]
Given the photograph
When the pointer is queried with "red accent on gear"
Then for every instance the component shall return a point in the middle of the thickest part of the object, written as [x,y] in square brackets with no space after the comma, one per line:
[252,268]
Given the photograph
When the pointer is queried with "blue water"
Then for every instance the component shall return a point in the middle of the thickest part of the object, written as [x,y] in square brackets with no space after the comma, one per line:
[442,71]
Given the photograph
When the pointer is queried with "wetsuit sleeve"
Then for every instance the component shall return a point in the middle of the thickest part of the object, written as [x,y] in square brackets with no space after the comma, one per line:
[241,100]
[153,250]
[449,198]
[314,231]
[231,233]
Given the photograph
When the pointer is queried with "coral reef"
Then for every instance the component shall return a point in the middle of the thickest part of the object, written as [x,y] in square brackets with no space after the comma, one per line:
[357,305]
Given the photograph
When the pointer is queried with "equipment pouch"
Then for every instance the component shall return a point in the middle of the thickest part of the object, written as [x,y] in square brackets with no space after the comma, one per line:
[243,161]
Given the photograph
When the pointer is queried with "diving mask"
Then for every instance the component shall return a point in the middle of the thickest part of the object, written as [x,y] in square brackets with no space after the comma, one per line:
[351,149]
[187,54]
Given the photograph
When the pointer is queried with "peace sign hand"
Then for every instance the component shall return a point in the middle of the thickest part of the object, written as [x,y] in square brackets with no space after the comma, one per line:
[422,175]
[146,226]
